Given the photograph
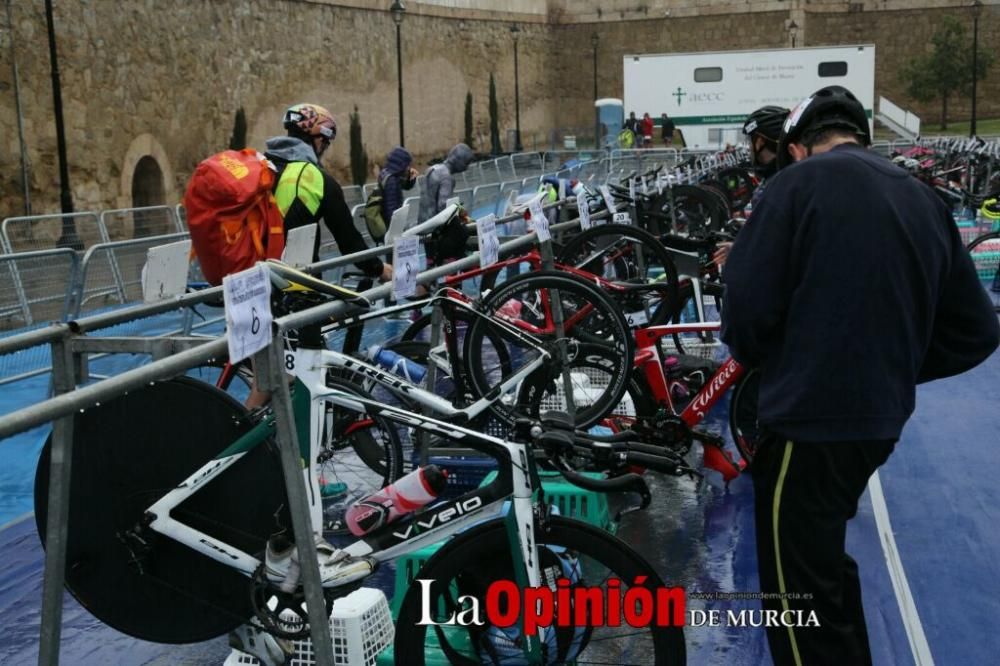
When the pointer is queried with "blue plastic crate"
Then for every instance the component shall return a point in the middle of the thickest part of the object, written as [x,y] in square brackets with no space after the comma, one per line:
[464,473]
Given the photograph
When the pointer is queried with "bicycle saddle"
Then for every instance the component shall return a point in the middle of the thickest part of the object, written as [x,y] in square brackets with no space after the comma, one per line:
[291,280]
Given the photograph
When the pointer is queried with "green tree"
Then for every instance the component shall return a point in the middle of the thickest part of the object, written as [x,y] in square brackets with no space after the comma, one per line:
[359,156]
[947,68]
[469,141]
[238,141]
[495,147]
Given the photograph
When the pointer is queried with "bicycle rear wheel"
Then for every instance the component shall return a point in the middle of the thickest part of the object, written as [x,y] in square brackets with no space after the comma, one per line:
[594,327]
[586,556]
[628,254]
[128,453]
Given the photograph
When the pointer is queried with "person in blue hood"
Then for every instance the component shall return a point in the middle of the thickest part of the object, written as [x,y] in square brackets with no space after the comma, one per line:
[439,185]
[397,175]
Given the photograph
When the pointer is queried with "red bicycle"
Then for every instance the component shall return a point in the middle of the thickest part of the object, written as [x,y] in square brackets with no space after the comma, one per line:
[657,413]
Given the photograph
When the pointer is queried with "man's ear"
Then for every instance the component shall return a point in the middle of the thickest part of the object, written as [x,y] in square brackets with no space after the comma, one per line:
[798,151]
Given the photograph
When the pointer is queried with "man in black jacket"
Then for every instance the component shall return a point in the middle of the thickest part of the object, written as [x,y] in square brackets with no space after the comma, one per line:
[848,287]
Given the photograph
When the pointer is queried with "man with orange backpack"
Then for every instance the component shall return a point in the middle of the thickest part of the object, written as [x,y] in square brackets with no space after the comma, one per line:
[305,192]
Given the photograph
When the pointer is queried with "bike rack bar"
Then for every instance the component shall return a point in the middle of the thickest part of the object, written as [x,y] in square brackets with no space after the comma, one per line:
[269,363]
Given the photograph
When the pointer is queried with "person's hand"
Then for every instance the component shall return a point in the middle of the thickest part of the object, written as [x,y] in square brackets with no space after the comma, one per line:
[386,273]
[411,174]
[722,253]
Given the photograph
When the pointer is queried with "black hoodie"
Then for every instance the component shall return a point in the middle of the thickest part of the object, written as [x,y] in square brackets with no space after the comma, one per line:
[849,286]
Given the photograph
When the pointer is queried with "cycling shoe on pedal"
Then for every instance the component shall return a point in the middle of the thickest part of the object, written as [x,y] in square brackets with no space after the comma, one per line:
[268,650]
[335,566]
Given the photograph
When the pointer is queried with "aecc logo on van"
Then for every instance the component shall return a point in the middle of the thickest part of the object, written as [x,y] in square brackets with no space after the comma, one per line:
[698,97]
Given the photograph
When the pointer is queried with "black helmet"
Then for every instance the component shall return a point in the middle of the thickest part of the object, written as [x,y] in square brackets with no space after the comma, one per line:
[833,106]
[765,122]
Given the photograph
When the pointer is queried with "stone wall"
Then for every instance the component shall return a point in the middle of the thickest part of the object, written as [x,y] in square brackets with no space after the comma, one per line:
[164,78]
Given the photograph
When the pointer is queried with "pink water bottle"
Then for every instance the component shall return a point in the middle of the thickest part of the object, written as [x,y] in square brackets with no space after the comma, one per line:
[406,495]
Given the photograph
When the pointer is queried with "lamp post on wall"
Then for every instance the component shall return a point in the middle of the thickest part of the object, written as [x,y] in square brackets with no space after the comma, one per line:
[793,30]
[977,9]
[594,39]
[397,10]
[515,32]
[69,236]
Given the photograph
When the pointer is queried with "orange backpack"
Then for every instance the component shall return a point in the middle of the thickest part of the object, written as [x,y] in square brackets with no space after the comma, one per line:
[231,213]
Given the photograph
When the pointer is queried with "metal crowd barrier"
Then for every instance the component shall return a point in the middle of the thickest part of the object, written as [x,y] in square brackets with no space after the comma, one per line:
[69,341]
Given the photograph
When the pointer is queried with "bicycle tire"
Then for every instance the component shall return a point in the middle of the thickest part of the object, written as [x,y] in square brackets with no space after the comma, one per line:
[743,415]
[237,381]
[360,454]
[128,453]
[419,331]
[690,210]
[481,555]
[599,321]
[637,256]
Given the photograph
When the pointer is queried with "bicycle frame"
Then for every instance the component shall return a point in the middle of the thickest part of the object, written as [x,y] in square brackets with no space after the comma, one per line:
[648,361]
[517,477]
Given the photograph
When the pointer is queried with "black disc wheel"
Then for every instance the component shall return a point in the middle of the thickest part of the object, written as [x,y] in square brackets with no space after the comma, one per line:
[568,549]
[127,454]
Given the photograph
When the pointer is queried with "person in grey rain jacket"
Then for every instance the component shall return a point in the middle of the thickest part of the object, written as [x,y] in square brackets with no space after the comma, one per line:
[439,184]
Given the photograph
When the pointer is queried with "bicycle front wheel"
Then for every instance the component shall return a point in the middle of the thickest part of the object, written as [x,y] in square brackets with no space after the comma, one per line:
[594,328]
[569,549]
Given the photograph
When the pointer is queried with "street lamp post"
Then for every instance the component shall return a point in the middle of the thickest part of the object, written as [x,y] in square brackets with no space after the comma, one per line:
[397,9]
[793,30]
[977,9]
[515,32]
[594,39]
[69,237]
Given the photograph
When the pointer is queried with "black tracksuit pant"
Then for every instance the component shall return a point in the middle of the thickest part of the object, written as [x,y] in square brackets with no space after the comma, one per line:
[804,494]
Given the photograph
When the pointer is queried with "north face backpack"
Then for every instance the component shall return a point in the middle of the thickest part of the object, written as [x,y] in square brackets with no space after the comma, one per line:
[232,216]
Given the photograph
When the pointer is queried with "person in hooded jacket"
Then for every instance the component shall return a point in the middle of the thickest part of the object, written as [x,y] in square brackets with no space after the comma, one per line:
[397,175]
[439,184]
[305,192]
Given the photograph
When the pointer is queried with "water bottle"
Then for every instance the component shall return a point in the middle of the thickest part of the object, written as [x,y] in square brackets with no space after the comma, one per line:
[397,364]
[406,495]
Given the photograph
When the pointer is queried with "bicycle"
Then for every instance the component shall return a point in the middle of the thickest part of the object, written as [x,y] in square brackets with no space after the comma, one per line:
[162,538]
[985,253]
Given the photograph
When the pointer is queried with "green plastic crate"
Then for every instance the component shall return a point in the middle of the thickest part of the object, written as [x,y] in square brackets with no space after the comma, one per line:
[586,505]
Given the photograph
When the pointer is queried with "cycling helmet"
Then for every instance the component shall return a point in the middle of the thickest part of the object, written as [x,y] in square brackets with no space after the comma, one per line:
[310,120]
[833,106]
[766,122]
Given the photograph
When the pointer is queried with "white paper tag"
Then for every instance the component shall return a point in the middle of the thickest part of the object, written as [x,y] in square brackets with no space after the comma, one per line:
[608,201]
[636,318]
[621,218]
[584,208]
[247,297]
[539,222]
[631,189]
[165,273]
[405,266]
[299,245]
[489,243]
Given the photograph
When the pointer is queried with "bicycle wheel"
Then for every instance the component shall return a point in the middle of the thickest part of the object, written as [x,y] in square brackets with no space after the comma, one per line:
[127,454]
[689,210]
[359,454]
[627,254]
[236,380]
[985,253]
[743,415]
[570,549]
[594,327]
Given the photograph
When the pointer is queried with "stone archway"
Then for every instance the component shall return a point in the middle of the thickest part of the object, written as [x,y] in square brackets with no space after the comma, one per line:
[147,190]
[146,180]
